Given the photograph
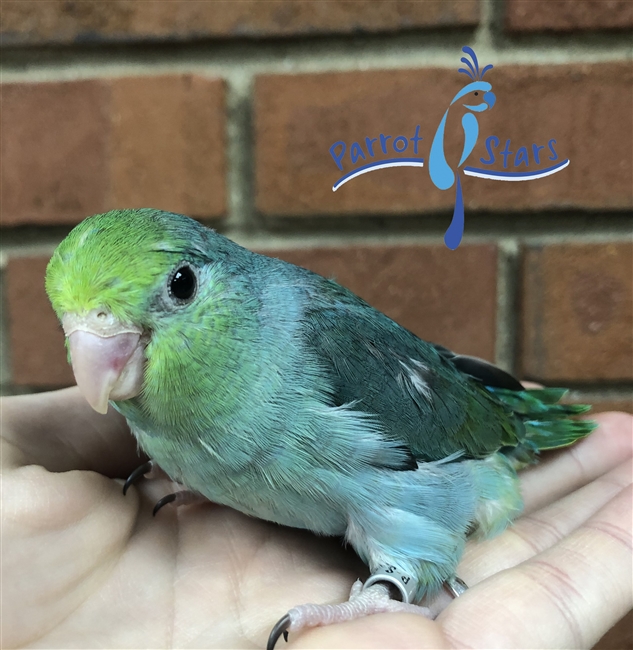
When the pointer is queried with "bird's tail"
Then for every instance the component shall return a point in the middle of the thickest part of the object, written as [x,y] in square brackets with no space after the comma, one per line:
[547,424]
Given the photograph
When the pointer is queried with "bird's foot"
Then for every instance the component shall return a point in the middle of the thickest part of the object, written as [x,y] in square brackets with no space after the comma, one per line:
[373,599]
[182,498]
[151,470]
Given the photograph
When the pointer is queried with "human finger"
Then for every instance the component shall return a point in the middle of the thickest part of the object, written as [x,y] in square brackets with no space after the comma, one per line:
[564,471]
[62,535]
[534,533]
[541,528]
[576,590]
[59,431]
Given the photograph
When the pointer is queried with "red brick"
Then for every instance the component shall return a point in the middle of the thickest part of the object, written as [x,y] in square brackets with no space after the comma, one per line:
[585,108]
[448,297]
[54,148]
[167,144]
[568,15]
[75,148]
[38,355]
[577,312]
[60,21]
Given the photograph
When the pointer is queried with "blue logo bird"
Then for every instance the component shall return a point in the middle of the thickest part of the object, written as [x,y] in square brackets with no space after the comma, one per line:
[441,173]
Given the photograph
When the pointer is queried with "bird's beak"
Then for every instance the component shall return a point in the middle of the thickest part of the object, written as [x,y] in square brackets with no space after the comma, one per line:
[490,98]
[107,357]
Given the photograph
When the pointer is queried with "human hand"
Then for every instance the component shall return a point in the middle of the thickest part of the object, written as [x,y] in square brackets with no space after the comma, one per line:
[84,566]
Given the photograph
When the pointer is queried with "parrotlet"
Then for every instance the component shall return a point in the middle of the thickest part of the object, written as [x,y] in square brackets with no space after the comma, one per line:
[265,387]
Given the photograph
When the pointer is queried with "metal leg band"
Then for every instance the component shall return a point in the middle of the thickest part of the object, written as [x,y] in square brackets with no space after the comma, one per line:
[456,587]
[403,582]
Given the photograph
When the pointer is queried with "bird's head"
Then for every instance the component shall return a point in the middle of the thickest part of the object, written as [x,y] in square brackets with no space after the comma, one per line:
[479,92]
[116,279]
[478,96]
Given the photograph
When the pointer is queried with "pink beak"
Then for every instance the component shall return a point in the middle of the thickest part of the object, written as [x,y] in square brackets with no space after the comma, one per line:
[107,360]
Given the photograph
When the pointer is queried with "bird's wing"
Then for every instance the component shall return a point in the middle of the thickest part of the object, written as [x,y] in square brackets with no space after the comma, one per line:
[425,395]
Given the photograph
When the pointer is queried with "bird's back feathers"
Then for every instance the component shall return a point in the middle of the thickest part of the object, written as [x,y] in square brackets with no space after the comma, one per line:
[435,402]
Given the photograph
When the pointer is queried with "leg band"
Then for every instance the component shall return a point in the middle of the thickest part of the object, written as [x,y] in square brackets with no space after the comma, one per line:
[390,574]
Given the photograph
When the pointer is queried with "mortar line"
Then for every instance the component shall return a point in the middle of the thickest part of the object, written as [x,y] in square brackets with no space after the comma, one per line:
[591,392]
[507,330]
[240,169]
[422,50]
[357,233]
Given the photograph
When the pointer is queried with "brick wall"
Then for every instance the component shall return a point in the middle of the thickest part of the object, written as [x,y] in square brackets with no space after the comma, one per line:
[226,111]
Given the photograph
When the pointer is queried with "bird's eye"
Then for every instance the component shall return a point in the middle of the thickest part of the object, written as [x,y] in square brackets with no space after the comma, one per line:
[476,93]
[183,283]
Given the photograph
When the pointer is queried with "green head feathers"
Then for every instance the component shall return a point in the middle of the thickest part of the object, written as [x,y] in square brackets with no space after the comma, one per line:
[116,260]
[148,301]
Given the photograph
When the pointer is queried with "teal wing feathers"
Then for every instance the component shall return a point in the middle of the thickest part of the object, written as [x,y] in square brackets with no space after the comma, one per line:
[413,387]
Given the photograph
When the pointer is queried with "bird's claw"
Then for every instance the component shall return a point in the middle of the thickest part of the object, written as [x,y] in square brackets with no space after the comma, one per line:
[280,629]
[169,498]
[181,498]
[140,471]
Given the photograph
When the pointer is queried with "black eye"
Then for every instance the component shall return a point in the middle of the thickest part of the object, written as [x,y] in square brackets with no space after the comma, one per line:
[476,93]
[183,283]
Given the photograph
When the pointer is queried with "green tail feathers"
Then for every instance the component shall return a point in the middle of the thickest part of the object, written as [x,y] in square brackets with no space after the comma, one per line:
[548,424]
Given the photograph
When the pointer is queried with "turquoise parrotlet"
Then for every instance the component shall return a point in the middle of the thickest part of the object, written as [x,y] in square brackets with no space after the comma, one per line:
[275,391]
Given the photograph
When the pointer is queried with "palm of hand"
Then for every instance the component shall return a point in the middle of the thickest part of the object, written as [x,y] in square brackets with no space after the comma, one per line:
[84,566]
